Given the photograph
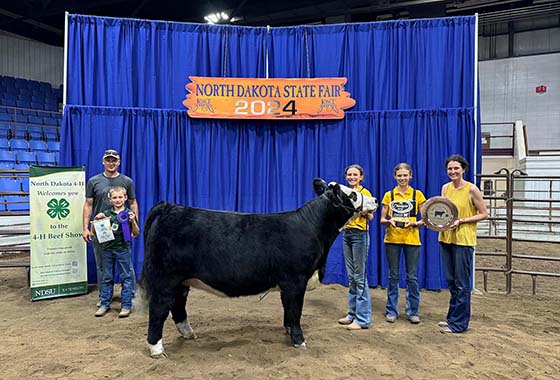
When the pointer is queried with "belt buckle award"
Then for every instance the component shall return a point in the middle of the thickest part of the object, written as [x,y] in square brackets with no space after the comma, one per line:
[401,212]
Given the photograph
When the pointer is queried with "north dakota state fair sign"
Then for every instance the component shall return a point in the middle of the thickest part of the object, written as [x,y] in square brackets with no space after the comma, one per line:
[260,98]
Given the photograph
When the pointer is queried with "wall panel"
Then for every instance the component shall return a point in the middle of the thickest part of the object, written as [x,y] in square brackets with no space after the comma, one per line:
[24,58]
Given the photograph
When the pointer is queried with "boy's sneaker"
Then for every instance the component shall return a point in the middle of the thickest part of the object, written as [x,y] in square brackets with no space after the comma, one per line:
[124,313]
[101,311]
[414,319]
[98,304]
[442,324]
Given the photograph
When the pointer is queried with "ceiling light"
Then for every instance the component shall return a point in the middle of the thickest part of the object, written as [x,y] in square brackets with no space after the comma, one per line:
[216,18]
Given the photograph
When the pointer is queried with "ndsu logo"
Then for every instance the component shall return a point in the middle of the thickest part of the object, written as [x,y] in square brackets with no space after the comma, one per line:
[45,292]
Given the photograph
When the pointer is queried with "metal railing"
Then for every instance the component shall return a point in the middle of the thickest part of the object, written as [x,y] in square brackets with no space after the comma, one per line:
[515,208]
[498,139]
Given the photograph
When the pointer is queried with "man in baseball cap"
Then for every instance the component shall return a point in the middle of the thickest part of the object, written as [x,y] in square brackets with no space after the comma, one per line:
[111,153]
[97,200]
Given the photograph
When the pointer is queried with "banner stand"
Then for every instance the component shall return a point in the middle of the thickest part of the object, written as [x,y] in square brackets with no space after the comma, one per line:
[58,252]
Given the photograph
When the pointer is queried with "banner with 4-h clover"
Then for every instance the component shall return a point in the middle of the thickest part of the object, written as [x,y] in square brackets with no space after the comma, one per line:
[58,253]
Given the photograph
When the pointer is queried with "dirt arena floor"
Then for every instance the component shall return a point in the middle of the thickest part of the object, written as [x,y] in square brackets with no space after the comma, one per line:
[515,336]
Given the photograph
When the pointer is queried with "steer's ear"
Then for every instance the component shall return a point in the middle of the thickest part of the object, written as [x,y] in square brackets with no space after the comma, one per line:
[319,186]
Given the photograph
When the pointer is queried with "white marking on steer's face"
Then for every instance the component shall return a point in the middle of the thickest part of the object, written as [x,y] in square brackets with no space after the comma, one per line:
[368,204]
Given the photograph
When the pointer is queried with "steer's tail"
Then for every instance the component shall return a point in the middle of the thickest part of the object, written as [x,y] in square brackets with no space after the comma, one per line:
[149,268]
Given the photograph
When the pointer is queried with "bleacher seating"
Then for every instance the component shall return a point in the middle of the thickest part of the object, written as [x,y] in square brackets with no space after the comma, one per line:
[29,135]
[14,197]
[38,146]
[19,144]
[27,157]
[19,131]
[16,202]
[54,146]
[35,133]
[9,185]
[46,158]
[51,134]
[8,156]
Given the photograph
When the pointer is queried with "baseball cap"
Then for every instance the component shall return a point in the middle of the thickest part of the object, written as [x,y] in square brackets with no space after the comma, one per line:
[111,153]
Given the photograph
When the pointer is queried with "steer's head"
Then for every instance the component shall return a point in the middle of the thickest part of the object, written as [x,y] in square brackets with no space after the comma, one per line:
[346,197]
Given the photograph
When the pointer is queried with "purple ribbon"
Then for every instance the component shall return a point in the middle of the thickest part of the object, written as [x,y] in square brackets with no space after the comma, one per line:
[122,217]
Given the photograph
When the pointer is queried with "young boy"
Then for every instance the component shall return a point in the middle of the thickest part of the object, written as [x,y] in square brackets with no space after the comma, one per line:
[118,251]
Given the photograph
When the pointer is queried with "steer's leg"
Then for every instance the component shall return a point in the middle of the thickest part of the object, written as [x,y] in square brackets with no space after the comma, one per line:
[286,326]
[292,300]
[179,313]
[160,305]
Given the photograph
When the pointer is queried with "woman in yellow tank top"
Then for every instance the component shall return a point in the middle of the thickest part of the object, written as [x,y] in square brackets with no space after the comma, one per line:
[457,244]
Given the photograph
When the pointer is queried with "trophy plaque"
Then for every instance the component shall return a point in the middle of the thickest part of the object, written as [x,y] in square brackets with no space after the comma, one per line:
[439,213]
[401,212]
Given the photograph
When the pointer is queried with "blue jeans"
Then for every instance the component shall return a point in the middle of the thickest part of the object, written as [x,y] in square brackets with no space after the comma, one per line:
[98,253]
[457,265]
[356,247]
[123,260]
[411,256]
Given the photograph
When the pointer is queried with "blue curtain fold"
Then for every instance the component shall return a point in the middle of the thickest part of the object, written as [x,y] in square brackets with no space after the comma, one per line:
[413,82]
[394,65]
[269,166]
[138,63]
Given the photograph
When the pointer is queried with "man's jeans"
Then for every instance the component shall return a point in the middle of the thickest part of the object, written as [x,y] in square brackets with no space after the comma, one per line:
[98,253]
[457,265]
[356,246]
[411,256]
[123,259]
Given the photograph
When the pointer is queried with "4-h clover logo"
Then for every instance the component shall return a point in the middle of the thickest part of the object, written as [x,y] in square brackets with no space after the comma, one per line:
[58,208]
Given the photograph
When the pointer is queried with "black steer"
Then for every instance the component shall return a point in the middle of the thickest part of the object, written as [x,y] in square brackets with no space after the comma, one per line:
[236,254]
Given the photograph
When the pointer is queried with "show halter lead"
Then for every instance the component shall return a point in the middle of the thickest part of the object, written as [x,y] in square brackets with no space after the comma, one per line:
[122,217]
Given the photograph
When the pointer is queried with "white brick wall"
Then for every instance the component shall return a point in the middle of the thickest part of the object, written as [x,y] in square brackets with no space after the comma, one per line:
[507,93]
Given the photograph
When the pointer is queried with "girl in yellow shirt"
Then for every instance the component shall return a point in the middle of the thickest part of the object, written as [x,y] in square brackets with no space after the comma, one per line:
[355,242]
[400,207]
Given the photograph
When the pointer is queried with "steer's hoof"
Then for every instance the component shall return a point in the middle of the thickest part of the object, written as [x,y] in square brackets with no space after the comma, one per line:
[302,345]
[158,356]
[185,330]
[156,350]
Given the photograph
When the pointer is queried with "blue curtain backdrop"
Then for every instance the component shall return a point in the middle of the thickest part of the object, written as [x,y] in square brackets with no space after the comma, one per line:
[413,82]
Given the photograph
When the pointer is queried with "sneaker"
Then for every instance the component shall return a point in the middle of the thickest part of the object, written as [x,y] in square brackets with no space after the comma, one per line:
[124,313]
[354,326]
[98,304]
[445,330]
[414,319]
[390,318]
[101,311]
[344,321]
[442,324]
